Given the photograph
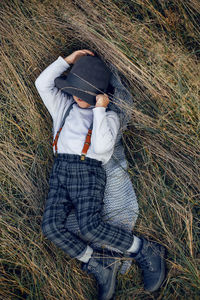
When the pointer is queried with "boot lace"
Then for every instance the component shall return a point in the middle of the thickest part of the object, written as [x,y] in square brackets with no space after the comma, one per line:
[145,263]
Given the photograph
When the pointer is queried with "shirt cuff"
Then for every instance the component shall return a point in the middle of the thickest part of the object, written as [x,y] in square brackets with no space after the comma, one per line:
[99,110]
[63,62]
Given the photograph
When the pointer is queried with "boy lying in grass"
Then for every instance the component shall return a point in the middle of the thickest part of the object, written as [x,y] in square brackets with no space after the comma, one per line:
[84,138]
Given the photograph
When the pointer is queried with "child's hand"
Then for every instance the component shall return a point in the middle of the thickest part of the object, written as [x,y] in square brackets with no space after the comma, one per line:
[102,100]
[72,58]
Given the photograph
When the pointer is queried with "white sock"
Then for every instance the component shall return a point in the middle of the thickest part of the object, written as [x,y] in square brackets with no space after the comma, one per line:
[135,246]
[85,255]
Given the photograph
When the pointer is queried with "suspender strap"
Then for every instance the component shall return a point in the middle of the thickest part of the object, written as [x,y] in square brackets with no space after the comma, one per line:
[67,114]
[87,143]
[56,140]
[61,126]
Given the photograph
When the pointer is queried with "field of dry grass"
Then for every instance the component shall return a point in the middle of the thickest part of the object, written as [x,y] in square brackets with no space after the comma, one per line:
[155,45]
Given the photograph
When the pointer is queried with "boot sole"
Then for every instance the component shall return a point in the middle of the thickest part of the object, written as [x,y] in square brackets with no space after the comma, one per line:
[162,273]
[111,292]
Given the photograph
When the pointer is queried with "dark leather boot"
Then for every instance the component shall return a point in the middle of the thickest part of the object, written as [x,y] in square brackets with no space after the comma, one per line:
[104,266]
[150,259]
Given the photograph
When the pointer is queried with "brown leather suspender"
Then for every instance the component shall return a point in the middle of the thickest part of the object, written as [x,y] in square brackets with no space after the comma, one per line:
[86,144]
[56,139]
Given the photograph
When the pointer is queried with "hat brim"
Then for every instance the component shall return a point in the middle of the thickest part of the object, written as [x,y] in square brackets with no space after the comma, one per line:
[73,85]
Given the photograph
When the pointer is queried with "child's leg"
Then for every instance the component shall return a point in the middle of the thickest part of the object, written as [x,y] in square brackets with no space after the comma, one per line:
[57,208]
[86,184]
[83,184]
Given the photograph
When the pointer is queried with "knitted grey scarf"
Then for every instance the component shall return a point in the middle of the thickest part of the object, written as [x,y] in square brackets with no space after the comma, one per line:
[120,202]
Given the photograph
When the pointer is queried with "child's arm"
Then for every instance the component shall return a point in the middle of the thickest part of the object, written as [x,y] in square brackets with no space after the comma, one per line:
[105,126]
[52,97]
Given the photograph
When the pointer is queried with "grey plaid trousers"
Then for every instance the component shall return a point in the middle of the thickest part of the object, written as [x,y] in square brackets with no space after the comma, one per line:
[79,185]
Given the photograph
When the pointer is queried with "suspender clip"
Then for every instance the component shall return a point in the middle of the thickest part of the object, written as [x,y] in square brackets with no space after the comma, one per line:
[82,156]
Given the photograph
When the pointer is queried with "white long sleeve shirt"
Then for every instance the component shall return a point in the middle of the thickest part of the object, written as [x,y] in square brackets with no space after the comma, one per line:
[72,137]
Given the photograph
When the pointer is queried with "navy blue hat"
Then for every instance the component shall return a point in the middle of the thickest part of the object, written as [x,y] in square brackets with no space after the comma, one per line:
[88,77]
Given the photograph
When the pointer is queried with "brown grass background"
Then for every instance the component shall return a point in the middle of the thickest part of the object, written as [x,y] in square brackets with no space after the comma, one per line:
[155,46]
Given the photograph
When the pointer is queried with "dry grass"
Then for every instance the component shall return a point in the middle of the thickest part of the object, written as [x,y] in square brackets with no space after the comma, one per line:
[155,45]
